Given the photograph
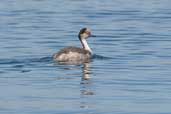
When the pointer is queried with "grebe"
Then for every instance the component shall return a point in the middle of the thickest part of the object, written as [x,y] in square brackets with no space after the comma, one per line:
[75,54]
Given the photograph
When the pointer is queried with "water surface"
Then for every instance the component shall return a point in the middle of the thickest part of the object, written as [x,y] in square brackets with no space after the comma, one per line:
[131,73]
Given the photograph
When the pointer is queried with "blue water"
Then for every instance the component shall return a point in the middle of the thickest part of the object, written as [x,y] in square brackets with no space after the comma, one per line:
[130,73]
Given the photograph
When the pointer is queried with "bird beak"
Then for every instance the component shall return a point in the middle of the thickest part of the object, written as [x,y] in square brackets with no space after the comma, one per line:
[93,36]
[89,33]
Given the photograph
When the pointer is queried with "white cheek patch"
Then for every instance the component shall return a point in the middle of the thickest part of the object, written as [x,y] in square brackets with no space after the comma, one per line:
[84,35]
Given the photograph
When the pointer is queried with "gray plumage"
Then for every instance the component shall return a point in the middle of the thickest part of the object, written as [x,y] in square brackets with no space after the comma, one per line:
[72,54]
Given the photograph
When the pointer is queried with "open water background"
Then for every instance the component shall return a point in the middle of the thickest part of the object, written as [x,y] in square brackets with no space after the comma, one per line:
[130,74]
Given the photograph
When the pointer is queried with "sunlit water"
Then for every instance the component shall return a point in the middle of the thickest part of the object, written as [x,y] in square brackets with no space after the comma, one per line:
[130,73]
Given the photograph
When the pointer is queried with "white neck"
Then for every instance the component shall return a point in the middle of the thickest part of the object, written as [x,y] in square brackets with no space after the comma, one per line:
[85,45]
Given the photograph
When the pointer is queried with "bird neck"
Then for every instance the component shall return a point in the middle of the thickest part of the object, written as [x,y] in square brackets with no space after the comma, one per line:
[85,45]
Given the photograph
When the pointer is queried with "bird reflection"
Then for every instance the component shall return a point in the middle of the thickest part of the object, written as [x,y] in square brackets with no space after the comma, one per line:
[86,72]
[86,86]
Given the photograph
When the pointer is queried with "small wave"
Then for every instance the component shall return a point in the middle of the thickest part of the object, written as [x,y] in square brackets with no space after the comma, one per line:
[24,64]
[10,61]
[100,57]
[43,59]
[25,60]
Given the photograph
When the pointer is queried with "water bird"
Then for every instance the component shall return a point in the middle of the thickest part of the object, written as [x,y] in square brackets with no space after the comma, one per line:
[75,54]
